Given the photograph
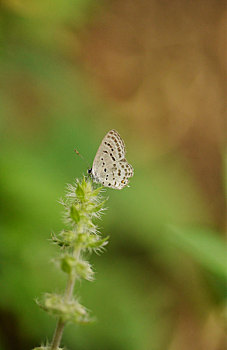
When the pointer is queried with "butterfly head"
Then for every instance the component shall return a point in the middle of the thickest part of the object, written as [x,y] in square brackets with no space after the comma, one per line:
[89,171]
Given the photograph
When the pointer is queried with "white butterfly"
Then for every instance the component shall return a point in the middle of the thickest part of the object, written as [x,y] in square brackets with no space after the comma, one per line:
[110,168]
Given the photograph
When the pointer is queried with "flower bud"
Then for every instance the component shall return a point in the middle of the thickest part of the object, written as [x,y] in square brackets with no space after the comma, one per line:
[68,263]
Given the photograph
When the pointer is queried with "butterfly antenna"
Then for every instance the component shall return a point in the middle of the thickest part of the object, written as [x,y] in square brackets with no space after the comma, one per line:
[80,155]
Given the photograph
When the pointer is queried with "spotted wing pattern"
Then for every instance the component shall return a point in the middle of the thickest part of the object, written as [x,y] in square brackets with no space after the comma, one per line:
[110,166]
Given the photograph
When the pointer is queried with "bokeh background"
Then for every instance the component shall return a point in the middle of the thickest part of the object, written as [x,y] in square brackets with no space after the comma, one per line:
[155,71]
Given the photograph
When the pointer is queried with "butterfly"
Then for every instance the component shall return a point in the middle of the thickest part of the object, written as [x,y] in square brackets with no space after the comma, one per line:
[110,168]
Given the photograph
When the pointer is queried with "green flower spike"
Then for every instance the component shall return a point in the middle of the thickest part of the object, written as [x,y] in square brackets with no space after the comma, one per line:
[82,204]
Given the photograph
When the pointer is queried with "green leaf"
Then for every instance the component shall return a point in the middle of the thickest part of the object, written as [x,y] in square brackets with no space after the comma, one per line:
[206,246]
[95,242]
[60,242]
[99,207]
[96,191]
[74,213]
[80,192]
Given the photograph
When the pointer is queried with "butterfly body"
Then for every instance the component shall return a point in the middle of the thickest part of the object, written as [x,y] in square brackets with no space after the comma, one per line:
[110,167]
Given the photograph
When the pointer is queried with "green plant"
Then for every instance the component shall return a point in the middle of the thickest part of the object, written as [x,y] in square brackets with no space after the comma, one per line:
[83,203]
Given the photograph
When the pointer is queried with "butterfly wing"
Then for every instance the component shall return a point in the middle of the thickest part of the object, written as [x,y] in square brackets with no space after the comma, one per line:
[110,166]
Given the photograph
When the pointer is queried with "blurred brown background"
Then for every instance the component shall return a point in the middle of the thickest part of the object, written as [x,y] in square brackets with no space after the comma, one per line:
[163,66]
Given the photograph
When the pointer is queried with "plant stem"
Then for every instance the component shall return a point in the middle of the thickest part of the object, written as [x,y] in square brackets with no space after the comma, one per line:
[57,335]
[68,294]
[61,324]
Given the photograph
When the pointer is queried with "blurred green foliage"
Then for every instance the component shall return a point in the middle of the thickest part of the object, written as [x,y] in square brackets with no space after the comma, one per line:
[161,248]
